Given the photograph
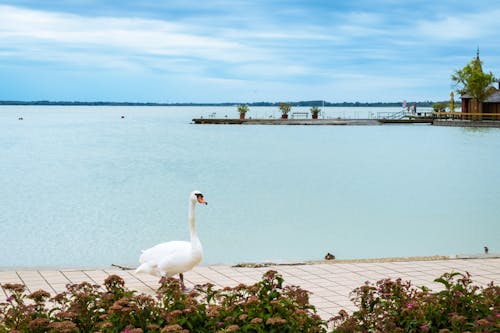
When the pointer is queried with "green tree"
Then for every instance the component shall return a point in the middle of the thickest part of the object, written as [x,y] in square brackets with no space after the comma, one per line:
[473,81]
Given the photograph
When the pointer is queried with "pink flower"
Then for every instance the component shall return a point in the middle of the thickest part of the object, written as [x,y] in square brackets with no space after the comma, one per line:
[424,328]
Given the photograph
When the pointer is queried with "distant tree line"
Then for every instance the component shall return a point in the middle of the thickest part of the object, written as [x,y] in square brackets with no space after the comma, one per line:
[300,103]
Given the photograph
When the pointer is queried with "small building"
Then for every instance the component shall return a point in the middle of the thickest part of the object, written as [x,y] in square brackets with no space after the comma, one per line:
[488,110]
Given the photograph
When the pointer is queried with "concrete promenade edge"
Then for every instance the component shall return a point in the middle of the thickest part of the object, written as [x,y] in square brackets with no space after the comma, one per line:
[330,283]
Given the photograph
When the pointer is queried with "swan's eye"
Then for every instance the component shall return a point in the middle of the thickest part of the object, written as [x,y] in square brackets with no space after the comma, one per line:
[200,199]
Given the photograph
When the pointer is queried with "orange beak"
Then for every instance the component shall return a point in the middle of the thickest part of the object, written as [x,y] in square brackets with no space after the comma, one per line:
[201,200]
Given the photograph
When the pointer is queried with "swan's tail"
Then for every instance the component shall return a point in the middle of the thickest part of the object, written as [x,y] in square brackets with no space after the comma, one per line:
[148,268]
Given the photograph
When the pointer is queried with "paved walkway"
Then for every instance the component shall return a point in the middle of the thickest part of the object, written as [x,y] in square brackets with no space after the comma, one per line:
[329,282]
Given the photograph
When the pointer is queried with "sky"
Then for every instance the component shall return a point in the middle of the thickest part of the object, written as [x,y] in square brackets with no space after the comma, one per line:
[176,51]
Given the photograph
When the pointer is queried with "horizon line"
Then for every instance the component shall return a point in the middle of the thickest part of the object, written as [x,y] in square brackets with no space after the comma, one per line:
[261,103]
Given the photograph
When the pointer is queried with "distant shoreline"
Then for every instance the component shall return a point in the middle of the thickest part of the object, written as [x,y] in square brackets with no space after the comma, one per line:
[253,104]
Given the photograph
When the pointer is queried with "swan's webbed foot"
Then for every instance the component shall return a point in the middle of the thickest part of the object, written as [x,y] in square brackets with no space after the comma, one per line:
[187,290]
[163,278]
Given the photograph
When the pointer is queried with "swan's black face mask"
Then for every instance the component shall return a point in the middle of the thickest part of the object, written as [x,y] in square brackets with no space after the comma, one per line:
[200,199]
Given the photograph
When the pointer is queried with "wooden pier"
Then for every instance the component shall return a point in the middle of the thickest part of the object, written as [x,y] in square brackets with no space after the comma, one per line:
[456,119]
[336,121]
[467,123]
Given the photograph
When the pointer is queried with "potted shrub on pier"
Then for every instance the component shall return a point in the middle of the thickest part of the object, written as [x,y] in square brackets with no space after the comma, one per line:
[285,108]
[438,108]
[314,112]
[243,109]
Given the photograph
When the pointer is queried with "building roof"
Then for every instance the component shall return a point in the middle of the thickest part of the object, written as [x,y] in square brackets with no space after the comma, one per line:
[493,98]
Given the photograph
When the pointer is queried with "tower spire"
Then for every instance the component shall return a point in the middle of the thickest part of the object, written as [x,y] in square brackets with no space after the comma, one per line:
[477,61]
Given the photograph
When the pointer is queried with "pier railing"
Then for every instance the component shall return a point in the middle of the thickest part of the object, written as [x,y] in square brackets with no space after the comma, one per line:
[404,114]
[392,115]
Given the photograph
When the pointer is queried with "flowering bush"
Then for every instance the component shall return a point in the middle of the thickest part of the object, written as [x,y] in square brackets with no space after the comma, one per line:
[266,306]
[396,306]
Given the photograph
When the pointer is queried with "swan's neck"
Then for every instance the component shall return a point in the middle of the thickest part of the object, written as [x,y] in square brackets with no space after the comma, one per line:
[191,217]
[195,242]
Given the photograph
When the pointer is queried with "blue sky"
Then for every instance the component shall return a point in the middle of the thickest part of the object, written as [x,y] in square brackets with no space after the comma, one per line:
[241,51]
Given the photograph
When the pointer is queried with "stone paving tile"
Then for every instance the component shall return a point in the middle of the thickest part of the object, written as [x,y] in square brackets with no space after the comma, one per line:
[42,285]
[58,287]
[148,279]
[10,277]
[29,276]
[54,277]
[76,276]
[330,284]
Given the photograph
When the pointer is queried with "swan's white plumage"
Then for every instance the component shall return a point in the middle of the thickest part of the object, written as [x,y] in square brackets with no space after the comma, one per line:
[168,259]
[174,257]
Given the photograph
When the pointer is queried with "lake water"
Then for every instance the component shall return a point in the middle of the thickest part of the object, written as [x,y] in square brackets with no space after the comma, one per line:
[80,186]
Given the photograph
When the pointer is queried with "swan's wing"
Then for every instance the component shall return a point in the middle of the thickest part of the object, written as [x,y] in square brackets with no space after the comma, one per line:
[170,258]
[165,250]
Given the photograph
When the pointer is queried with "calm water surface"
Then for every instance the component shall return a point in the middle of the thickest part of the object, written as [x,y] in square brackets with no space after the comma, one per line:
[79,186]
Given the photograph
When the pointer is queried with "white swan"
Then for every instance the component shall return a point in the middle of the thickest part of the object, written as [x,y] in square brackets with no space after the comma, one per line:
[175,257]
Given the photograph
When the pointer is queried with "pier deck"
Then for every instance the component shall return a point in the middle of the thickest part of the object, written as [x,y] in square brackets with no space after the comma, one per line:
[352,122]
[279,121]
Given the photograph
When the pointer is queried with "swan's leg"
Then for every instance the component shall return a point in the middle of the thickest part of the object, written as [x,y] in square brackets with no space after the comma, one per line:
[183,286]
[181,276]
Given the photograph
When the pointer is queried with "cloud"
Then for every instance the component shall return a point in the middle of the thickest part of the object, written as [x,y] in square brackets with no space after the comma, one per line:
[294,46]
[55,35]
[135,44]
[460,26]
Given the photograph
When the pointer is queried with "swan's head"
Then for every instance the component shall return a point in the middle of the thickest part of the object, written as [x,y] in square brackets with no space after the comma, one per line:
[196,196]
